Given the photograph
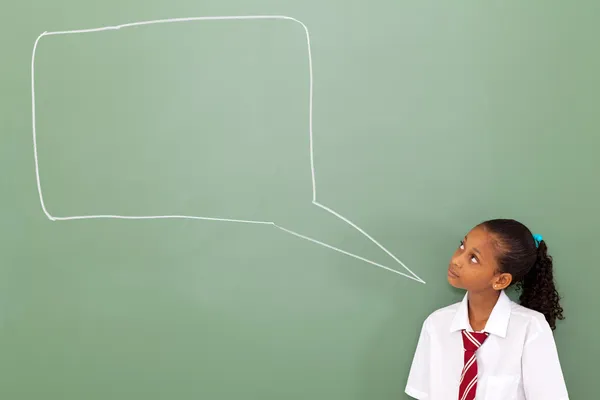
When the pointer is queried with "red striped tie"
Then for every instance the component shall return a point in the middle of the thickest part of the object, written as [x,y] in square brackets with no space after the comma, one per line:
[468,379]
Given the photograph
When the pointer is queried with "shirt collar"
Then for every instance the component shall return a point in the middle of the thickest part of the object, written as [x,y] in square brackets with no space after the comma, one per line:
[497,323]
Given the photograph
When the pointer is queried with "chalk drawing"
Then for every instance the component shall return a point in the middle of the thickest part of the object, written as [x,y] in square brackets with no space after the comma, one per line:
[408,274]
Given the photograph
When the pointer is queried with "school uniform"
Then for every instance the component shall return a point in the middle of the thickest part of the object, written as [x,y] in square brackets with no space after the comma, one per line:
[517,360]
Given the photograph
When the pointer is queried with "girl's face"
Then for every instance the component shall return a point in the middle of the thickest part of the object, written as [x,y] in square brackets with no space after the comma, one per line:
[473,266]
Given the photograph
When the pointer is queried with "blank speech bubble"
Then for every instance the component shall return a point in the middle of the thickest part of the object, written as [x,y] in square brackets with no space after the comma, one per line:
[258,19]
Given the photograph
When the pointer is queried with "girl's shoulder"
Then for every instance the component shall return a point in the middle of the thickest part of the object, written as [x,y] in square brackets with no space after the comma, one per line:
[442,317]
[534,321]
[443,312]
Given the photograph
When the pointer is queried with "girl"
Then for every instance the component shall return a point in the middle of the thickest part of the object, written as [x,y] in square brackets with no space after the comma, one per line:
[487,347]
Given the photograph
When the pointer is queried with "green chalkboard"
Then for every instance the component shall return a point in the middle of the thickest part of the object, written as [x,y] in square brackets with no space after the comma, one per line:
[228,199]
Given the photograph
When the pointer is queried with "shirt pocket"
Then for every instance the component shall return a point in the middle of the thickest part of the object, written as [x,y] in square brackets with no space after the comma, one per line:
[502,387]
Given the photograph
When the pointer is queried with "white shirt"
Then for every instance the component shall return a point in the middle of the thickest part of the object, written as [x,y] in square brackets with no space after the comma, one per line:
[518,360]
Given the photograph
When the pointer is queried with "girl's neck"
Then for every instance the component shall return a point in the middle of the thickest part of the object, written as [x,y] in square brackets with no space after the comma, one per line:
[481,305]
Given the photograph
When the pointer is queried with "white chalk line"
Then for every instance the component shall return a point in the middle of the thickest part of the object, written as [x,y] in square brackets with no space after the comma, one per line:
[412,275]
[349,254]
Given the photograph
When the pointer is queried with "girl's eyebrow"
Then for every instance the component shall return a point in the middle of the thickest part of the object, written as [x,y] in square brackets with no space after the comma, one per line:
[475,249]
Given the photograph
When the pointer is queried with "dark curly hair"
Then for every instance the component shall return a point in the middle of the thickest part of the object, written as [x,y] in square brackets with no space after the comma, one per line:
[530,266]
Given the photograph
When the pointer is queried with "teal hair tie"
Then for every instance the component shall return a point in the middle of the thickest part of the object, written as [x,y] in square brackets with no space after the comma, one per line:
[538,239]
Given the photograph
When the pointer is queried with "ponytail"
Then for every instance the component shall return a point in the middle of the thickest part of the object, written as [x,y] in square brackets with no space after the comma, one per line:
[538,291]
[525,256]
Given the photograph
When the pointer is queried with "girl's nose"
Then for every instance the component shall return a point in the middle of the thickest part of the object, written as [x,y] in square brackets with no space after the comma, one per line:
[455,262]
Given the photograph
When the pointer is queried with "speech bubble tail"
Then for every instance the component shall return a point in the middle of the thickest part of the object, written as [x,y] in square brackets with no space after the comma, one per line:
[365,234]
[298,235]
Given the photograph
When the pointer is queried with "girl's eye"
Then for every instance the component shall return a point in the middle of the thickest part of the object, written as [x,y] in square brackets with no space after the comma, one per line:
[474,260]
[462,245]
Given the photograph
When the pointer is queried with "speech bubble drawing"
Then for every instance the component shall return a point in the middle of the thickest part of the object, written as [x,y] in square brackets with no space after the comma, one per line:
[407,274]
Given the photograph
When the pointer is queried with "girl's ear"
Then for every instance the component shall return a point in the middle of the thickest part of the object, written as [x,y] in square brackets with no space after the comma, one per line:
[502,281]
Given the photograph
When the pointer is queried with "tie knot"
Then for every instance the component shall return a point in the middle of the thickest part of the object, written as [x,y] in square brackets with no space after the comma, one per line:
[473,340]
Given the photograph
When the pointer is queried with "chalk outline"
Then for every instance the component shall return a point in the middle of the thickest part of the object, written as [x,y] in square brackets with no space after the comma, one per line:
[412,275]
